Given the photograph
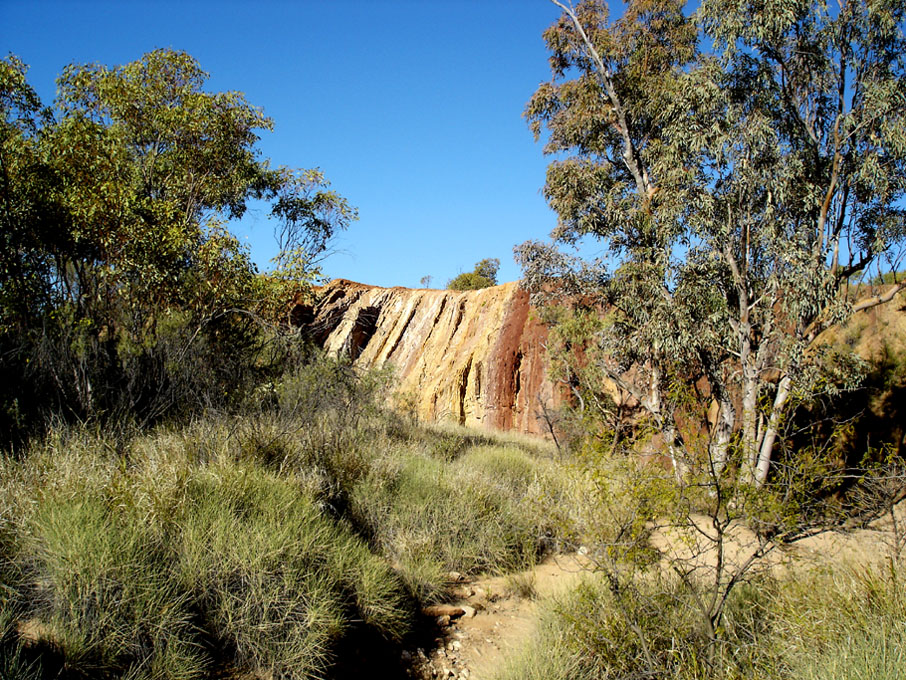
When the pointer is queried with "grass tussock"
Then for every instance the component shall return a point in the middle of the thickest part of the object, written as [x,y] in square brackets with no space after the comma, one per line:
[258,544]
[847,623]
[844,623]
[148,559]
[471,515]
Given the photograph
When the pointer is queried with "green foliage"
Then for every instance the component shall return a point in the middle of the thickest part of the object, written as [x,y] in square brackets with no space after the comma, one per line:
[483,276]
[264,543]
[595,631]
[738,165]
[806,622]
[148,556]
[122,292]
[110,600]
[273,574]
[692,558]
[431,516]
[842,623]
[888,278]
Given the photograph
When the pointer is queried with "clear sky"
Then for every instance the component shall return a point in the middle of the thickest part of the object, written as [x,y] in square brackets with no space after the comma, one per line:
[411,108]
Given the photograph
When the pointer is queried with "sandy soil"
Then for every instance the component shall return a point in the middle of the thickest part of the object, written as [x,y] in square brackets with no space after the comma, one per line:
[476,646]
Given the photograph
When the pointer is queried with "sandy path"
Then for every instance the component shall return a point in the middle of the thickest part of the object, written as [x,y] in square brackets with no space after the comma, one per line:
[506,614]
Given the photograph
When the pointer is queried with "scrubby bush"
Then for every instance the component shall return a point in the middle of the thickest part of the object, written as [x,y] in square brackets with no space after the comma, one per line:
[247,541]
[483,276]
[123,295]
[598,631]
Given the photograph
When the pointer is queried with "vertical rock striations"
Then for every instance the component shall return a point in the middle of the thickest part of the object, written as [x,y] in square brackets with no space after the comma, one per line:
[475,357]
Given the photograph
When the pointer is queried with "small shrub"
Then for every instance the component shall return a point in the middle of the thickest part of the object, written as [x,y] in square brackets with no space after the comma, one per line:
[644,627]
[483,276]
[522,585]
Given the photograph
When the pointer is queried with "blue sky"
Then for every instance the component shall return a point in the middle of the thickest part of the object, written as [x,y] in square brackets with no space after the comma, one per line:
[412,110]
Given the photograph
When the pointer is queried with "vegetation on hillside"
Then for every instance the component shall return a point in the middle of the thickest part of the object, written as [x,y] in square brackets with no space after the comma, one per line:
[123,295]
[262,543]
[843,622]
[740,166]
[483,276]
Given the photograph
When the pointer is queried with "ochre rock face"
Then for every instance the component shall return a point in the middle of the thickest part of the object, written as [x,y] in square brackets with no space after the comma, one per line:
[474,357]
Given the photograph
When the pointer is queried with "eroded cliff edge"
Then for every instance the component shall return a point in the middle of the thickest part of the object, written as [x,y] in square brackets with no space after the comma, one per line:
[476,357]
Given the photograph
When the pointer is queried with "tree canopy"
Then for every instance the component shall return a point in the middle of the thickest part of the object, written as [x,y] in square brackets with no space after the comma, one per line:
[115,204]
[744,167]
[483,276]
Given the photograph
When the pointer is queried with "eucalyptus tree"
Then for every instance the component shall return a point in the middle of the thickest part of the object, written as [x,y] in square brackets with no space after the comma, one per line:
[115,207]
[806,163]
[743,166]
[610,110]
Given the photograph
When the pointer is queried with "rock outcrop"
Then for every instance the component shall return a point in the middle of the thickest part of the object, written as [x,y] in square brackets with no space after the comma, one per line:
[476,358]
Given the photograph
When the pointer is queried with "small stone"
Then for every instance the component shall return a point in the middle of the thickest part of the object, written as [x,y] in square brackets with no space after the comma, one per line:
[406,655]
[582,550]
[443,610]
[462,593]
[454,576]
[469,611]
[456,645]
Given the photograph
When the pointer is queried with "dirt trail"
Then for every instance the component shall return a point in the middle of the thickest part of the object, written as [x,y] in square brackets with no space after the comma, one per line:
[476,646]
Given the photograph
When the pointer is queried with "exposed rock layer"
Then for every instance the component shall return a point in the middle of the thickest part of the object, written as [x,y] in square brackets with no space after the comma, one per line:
[475,357]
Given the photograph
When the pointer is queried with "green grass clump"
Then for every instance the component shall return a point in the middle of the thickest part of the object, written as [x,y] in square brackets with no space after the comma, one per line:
[248,543]
[847,623]
[179,551]
[471,515]
[106,593]
[275,577]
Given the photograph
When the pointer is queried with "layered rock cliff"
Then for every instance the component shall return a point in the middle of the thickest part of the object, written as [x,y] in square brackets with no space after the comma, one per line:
[475,357]
[478,357]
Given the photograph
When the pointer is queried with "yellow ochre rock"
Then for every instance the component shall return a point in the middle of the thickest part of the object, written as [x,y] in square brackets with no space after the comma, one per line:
[473,357]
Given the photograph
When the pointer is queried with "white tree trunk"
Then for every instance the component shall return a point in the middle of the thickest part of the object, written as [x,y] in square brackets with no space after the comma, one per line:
[719,447]
[770,431]
[749,421]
